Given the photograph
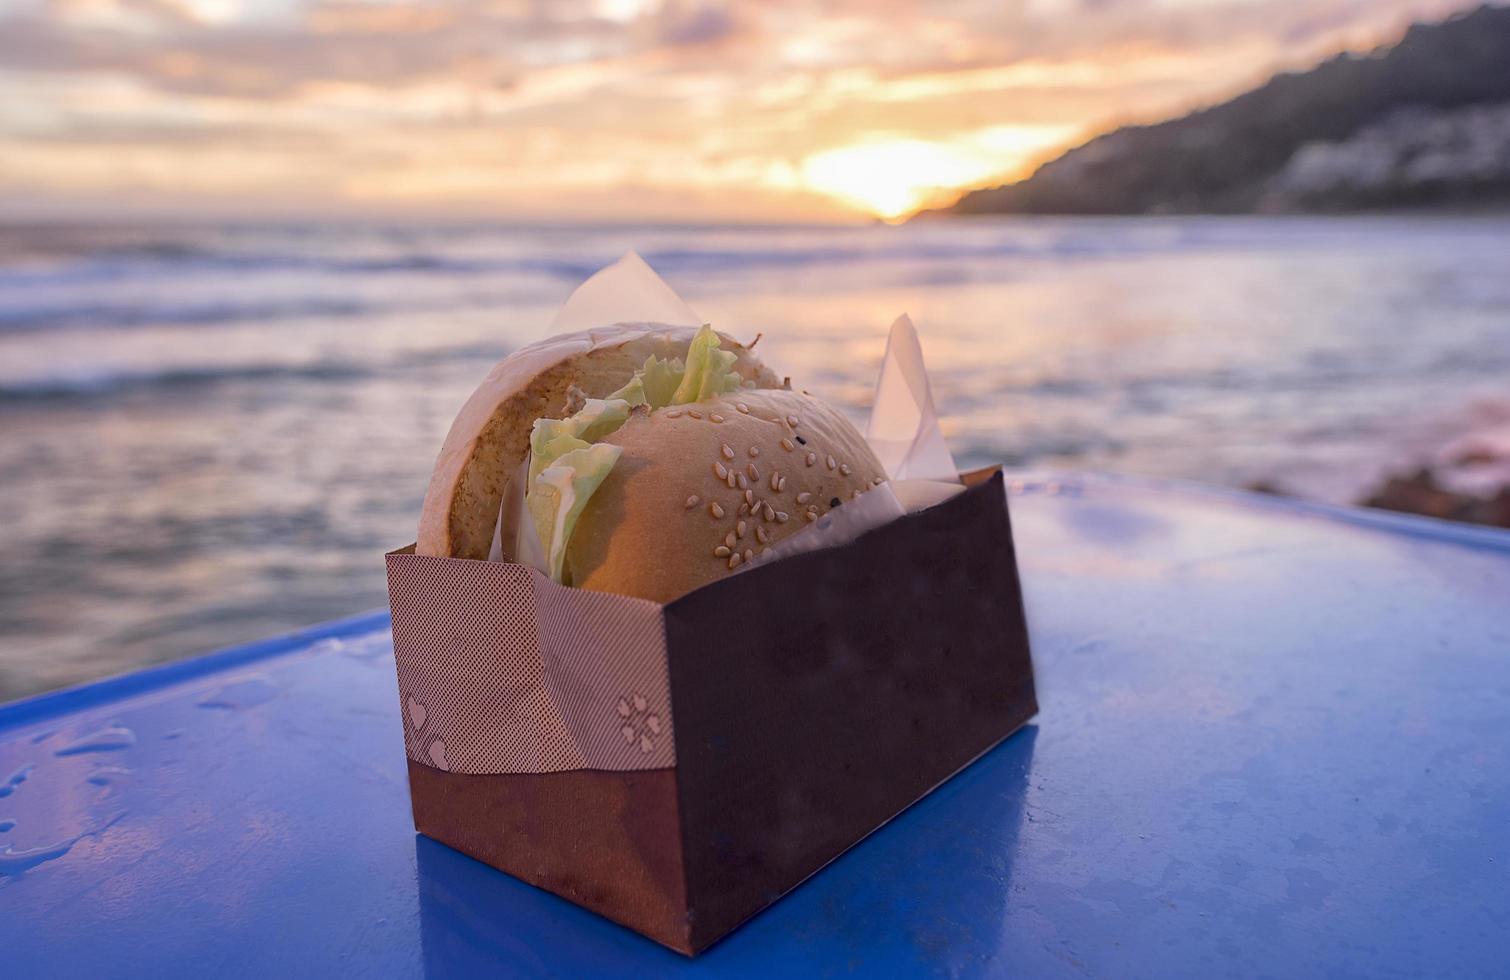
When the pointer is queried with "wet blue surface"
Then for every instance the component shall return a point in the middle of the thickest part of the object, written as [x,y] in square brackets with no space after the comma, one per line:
[1273,742]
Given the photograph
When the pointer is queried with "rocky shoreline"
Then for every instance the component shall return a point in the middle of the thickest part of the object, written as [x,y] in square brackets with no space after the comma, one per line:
[1422,492]
[1426,491]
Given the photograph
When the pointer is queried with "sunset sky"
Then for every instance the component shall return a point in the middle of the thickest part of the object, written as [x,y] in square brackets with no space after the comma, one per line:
[614,109]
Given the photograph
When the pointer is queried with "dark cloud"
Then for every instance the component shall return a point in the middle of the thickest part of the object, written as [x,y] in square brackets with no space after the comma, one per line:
[247,63]
[379,46]
[493,43]
[703,24]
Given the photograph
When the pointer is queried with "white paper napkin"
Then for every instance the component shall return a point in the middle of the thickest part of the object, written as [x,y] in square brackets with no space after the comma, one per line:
[904,426]
[628,291]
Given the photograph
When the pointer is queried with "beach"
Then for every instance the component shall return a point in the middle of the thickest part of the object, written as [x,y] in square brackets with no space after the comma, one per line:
[211,434]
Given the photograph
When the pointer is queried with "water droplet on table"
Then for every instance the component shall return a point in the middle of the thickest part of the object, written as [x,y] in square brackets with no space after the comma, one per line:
[107,775]
[14,862]
[16,779]
[242,694]
[109,739]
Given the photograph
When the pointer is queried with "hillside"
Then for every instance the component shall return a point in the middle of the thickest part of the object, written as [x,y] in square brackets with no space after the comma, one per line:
[1390,128]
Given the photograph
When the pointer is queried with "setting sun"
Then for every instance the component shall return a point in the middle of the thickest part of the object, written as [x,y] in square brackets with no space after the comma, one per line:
[891,178]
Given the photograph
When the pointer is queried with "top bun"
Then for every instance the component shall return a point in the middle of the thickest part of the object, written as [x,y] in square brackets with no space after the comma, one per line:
[701,488]
[490,437]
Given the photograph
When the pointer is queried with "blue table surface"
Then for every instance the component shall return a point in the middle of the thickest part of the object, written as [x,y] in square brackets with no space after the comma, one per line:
[1274,741]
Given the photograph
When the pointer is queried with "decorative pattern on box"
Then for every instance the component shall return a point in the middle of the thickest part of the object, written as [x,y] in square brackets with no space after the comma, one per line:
[501,670]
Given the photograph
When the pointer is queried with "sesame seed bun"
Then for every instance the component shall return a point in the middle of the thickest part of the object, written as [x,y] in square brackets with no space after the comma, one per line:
[490,436]
[666,520]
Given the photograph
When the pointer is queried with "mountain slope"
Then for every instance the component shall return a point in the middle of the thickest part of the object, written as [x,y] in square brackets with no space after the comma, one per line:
[1224,158]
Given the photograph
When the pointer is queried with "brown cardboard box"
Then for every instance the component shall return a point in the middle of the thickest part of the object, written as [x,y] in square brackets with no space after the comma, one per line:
[810,701]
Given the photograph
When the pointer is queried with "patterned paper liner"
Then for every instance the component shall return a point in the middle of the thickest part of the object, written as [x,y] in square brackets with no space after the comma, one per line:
[501,670]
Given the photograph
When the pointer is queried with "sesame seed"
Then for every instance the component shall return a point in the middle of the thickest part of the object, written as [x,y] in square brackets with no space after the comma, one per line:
[878,480]
[775,481]
[742,407]
[793,421]
[739,529]
[673,415]
[781,517]
[844,469]
[721,551]
[749,553]
[811,515]
[735,559]
[831,463]
[744,484]
[761,536]
[754,450]
[729,539]
[727,450]
[783,484]
[730,481]
[753,472]
[720,470]
[715,510]
[692,501]
[750,497]
[696,415]
[804,497]
[744,509]
[770,512]
[716,417]
[812,458]
[787,444]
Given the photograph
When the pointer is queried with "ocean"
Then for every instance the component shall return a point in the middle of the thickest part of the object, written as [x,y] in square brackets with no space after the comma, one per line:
[212,434]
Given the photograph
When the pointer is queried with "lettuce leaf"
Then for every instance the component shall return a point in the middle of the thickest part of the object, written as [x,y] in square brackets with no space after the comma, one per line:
[632,393]
[559,494]
[600,417]
[551,439]
[708,373]
[654,384]
[661,379]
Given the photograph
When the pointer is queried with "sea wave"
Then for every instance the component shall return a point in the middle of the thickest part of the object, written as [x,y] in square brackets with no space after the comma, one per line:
[110,267]
[88,383]
[21,318]
[82,281]
[107,382]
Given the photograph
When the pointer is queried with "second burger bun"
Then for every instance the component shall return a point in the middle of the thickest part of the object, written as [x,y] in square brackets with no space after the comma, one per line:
[667,520]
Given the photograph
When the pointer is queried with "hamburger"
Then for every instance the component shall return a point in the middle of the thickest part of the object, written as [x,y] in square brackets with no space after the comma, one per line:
[639,459]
